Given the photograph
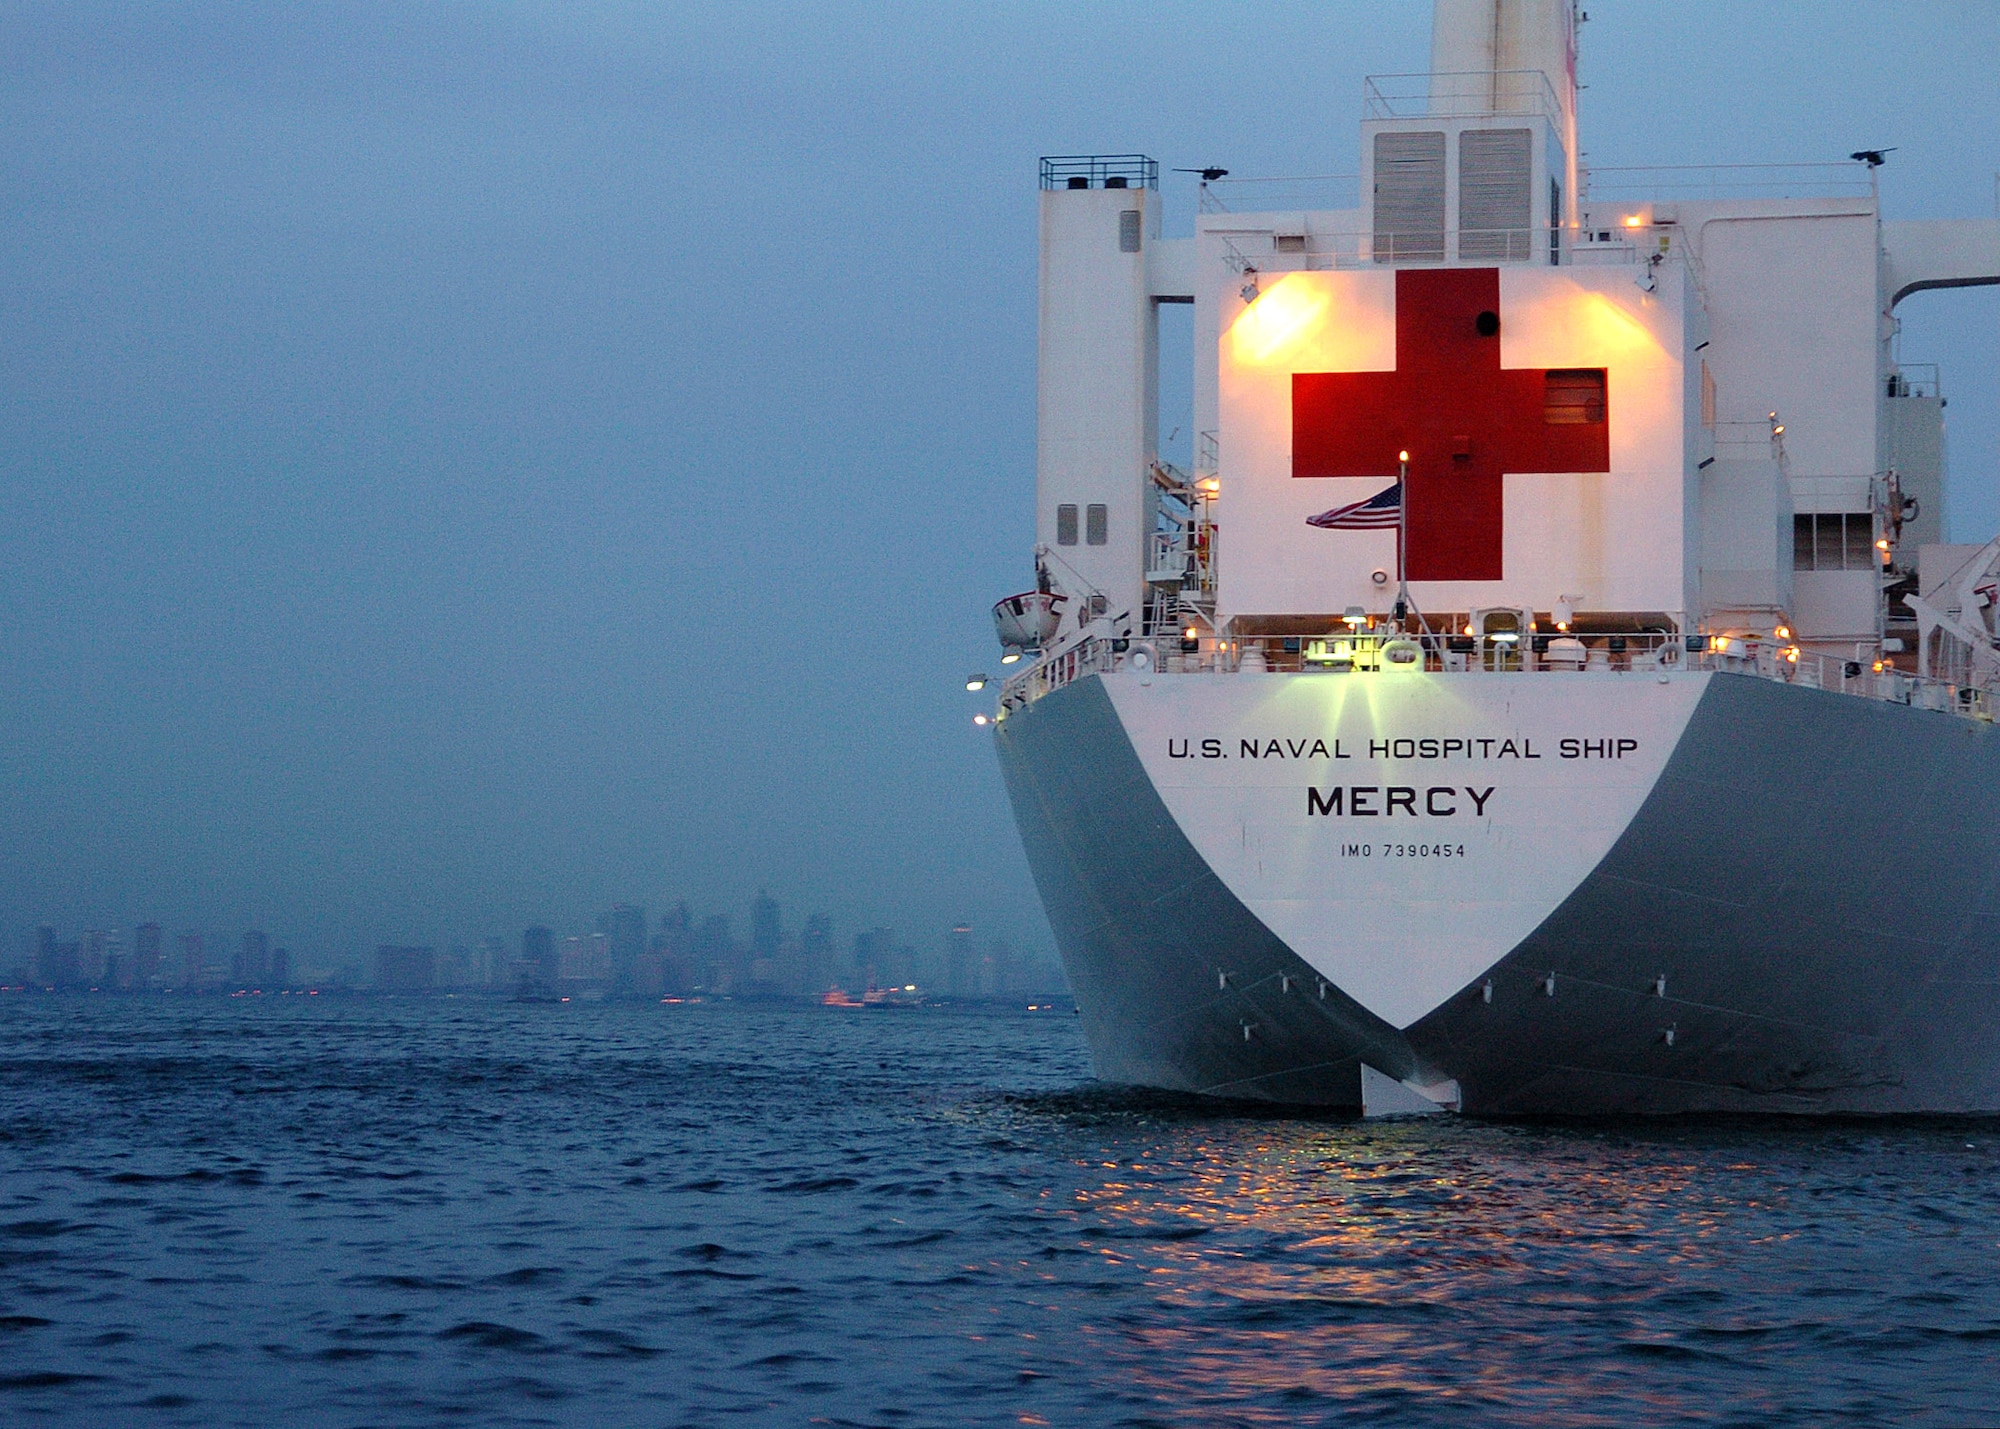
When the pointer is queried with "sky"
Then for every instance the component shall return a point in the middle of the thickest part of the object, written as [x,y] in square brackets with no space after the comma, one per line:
[465,465]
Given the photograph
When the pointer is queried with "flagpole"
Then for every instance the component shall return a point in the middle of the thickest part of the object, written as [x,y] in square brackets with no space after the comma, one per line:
[1402,519]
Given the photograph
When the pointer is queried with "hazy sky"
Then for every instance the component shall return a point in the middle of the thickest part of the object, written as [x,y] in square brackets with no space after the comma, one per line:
[464,465]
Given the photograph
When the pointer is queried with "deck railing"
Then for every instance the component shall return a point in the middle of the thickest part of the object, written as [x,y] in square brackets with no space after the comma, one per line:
[1474,94]
[1611,186]
[1266,249]
[1641,653]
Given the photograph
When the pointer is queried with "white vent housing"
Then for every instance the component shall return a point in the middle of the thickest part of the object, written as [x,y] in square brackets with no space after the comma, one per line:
[1482,190]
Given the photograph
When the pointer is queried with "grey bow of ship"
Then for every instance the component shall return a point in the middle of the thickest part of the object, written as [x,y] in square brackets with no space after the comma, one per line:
[1856,971]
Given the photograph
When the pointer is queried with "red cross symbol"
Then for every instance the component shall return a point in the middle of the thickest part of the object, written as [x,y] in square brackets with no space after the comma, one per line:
[1464,419]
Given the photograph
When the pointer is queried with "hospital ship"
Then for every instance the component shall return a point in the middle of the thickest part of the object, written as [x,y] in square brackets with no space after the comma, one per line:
[1548,688]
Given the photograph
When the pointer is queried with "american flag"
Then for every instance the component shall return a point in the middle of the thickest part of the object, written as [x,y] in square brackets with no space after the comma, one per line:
[1383,509]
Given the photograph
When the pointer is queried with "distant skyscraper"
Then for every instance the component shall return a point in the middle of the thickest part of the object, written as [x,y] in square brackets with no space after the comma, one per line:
[959,973]
[874,951]
[253,960]
[625,927]
[767,945]
[538,951]
[715,953]
[491,970]
[675,945]
[454,969]
[1001,976]
[281,967]
[146,967]
[400,968]
[45,956]
[765,931]
[816,953]
[97,961]
[192,957]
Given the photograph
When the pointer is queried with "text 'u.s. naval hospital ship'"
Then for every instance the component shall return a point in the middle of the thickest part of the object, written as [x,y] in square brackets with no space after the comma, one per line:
[1549,692]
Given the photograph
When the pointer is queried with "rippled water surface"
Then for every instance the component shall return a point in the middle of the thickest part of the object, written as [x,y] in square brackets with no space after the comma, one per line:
[320,1211]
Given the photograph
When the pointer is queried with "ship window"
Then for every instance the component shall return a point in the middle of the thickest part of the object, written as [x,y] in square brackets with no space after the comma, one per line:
[1288,242]
[1860,543]
[1095,519]
[1833,541]
[1573,396]
[1128,231]
[1066,525]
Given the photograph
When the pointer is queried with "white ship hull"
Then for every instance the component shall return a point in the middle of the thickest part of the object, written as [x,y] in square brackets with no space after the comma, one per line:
[1572,894]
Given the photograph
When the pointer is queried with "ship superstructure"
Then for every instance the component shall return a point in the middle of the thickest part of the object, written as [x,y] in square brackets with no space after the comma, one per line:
[1546,686]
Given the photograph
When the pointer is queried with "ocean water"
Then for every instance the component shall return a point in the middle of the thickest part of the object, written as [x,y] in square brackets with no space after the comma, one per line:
[323,1211]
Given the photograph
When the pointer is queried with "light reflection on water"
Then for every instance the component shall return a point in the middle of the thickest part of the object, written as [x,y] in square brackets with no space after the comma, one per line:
[369,1212]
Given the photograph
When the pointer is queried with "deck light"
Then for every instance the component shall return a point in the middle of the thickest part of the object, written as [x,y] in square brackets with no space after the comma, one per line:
[975,682]
[1402,456]
[1010,657]
[1211,485]
[981,720]
[1779,430]
[1354,617]
[1468,628]
[1249,289]
[1631,220]
[1783,632]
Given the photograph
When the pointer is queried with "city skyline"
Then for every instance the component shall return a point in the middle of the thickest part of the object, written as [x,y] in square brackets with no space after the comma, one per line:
[619,952]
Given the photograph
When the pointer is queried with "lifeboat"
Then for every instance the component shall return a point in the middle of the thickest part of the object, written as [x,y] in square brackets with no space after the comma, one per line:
[1028,621]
